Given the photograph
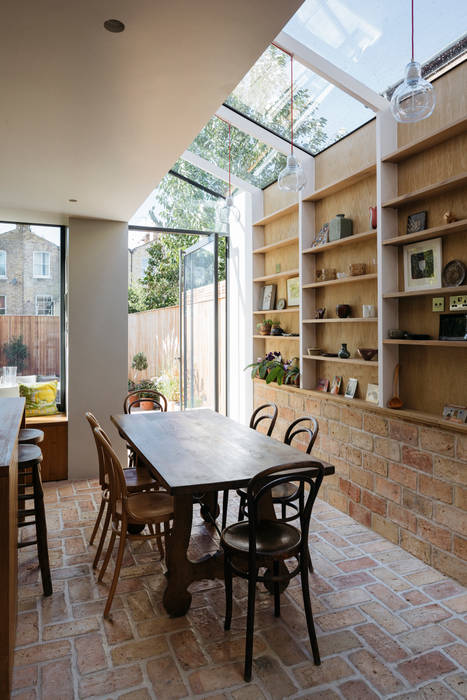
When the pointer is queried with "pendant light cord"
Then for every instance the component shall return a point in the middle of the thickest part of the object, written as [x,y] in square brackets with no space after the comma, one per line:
[412,35]
[230,145]
[291,103]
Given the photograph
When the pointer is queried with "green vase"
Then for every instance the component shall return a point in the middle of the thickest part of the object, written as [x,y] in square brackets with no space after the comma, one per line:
[340,227]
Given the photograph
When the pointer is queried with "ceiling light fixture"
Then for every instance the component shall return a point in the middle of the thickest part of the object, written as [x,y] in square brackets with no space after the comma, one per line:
[114,26]
[229,211]
[72,200]
[415,97]
[292,177]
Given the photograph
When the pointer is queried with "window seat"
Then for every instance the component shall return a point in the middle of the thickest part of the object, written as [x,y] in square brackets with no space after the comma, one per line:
[55,445]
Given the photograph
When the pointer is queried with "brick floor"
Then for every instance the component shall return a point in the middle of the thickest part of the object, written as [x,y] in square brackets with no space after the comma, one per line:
[388,625]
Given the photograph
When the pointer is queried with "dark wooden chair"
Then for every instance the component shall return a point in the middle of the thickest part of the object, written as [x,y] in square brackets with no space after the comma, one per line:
[129,509]
[257,417]
[133,399]
[30,489]
[260,543]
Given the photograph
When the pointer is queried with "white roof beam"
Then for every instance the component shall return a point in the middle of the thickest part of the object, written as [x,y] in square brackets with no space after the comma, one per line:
[218,172]
[260,133]
[312,60]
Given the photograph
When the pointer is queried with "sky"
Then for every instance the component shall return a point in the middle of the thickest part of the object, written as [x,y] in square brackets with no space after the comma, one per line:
[51,233]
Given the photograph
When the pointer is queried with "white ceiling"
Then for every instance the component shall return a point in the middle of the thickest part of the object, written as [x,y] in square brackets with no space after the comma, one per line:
[101,117]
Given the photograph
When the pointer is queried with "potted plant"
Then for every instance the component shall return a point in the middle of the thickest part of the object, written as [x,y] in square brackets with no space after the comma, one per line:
[139,364]
[264,327]
[292,375]
[276,328]
[16,353]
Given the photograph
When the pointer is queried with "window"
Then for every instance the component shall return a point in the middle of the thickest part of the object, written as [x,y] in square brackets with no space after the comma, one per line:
[41,264]
[44,305]
[2,305]
[2,263]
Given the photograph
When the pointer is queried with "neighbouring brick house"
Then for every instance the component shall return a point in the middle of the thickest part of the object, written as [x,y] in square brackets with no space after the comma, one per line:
[138,258]
[29,274]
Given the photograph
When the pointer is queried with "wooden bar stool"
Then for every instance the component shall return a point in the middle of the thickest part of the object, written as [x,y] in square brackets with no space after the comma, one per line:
[29,477]
[30,436]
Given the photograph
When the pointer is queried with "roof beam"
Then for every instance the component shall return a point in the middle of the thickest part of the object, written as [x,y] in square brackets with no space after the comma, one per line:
[258,132]
[312,60]
[216,171]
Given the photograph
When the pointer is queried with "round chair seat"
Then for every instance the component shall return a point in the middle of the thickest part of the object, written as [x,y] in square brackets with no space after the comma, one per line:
[28,455]
[271,538]
[138,479]
[148,507]
[30,436]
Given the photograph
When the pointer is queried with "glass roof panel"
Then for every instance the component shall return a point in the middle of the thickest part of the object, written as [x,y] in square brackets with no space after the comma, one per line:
[322,113]
[201,177]
[370,39]
[252,160]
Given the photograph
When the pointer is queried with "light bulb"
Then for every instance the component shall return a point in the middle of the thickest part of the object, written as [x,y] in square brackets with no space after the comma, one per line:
[415,97]
[292,178]
[229,211]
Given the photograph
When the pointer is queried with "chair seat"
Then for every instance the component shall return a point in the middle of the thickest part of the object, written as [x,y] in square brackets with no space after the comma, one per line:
[29,455]
[271,538]
[281,492]
[30,436]
[138,479]
[155,507]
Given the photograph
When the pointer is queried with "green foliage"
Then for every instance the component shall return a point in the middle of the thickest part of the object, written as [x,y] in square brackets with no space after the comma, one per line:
[273,368]
[136,298]
[140,362]
[16,353]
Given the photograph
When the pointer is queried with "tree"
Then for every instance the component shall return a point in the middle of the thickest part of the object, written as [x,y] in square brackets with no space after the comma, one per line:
[16,353]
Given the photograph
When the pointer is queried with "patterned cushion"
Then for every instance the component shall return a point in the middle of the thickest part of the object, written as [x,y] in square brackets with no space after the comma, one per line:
[40,398]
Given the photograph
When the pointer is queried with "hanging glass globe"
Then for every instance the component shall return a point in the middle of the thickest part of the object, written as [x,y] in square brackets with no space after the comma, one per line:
[292,178]
[415,97]
[229,212]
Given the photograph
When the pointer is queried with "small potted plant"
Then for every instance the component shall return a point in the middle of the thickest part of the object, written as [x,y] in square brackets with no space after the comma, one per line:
[292,375]
[276,328]
[264,327]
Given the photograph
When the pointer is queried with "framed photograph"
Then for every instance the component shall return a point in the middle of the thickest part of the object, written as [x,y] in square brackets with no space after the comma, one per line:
[416,222]
[422,265]
[322,236]
[268,298]
[323,385]
[293,291]
[351,388]
[372,393]
[336,385]
[455,414]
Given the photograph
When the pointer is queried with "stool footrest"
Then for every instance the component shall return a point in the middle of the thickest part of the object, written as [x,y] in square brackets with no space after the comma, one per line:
[30,522]
[29,543]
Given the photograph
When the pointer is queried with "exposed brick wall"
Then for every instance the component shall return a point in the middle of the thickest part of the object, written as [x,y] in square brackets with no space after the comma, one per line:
[405,480]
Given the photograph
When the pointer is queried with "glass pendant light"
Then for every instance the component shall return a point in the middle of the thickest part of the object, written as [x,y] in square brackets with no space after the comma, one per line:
[415,97]
[292,178]
[229,212]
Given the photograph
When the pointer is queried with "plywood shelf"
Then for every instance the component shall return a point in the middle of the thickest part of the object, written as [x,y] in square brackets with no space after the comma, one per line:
[344,280]
[451,183]
[276,337]
[430,343]
[289,209]
[277,276]
[427,292]
[434,232]
[341,320]
[349,361]
[342,183]
[356,238]
[273,312]
[422,144]
[275,246]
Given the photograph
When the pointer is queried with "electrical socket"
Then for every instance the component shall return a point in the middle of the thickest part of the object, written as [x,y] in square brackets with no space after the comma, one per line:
[437,303]
[458,303]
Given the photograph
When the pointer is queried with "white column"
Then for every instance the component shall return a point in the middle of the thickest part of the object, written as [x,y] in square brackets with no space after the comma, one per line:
[97,336]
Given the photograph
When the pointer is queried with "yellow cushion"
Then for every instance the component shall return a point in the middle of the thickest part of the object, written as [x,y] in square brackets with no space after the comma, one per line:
[40,398]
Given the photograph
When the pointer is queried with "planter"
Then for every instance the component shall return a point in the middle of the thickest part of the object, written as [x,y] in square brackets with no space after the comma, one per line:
[146,405]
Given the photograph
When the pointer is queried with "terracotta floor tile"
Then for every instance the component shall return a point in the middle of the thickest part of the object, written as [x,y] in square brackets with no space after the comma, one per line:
[418,617]
[458,627]
[166,679]
[27,628]
[334,669]
[70,629]
[90,653]
[458,682]
[419,640]
[57,682]
[426,667]
[381,643]
[380,676]
[274,678]
[210,679]
[357,689]
[105,682]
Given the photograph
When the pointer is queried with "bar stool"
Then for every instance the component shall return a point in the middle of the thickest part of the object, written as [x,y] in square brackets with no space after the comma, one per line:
[29,475]
[30,436]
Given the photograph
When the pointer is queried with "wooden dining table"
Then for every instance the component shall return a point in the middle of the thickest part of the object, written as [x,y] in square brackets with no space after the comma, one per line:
[196,454]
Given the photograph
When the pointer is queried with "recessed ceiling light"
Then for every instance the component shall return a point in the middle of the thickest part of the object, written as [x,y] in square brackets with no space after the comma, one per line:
[114,26]
[72,200]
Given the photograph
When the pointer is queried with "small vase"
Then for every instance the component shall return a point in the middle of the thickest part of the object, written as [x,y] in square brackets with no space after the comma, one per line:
[343,310]
[373,217]
[340,227]
[343,353]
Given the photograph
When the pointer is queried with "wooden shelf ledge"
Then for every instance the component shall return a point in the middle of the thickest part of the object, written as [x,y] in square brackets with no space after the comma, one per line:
[291,310]
[277,275]
[55,418]
[342,184]
[349,361]
[373,319]
[451,183]
[422,144]
[289,209]
[275,246]
[434,232]
[356,238]
[276,337]
[430,343]
[343,280]
[462,289]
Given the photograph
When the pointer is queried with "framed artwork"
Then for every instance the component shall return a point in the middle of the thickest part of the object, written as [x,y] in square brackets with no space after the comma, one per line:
[293,291]
[323,385]
[351,388]
[268,298]
[422,265]
[455,414]
[336,385]
[321,237]
[372,393]
[416,222]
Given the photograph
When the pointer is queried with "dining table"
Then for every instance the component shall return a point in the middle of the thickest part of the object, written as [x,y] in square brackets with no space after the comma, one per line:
[195,454]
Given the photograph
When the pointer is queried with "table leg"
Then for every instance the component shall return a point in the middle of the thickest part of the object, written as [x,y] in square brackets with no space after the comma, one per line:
[177,598]
[209,505]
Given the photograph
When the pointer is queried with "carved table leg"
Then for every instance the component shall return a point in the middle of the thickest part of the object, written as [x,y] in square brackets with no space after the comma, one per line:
[177,598]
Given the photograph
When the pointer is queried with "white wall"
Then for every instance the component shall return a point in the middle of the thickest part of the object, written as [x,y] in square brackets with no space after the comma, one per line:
[98,335]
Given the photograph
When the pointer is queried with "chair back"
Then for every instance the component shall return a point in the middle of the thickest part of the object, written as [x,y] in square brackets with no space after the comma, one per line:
[113,470]
[158,400]
[311,430]
[256,419]
[94,423]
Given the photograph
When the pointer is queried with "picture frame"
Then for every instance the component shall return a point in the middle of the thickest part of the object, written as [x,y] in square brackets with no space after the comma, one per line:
[372,393]
[422,265]
[336,385]
[351,388]
[417,222]
[323,385]
[455,413]
[293,291]
[322,237]
[268,297]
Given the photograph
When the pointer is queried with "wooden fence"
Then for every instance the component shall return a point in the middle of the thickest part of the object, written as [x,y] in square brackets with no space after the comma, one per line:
[41,335]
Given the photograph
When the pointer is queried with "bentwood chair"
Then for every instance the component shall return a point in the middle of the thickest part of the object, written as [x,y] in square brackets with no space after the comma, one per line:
[136,478]
[151,508]
[261,543]
[257,417]
[149,396]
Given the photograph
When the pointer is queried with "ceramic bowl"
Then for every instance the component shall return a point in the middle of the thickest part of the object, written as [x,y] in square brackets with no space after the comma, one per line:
[367,353]
[395,333]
